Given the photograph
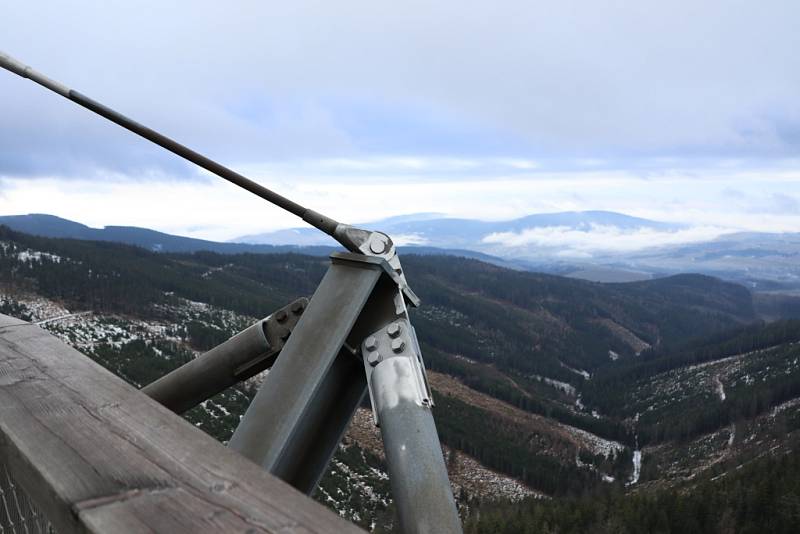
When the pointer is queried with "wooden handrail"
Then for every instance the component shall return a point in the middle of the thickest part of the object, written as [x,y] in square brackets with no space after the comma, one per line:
[97,455]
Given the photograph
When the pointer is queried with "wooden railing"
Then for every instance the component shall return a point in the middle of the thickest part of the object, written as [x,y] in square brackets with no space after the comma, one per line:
[96,455]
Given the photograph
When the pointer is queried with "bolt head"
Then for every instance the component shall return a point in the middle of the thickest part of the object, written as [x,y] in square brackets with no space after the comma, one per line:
[393,330]
[377,245]
[281,316]
[371,343]
[398,345]
[374,358]
[298,308]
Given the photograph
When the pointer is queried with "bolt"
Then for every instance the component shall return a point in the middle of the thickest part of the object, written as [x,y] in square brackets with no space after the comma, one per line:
[374,358]
[371,343]
[398,345]
[281,316]
[393,330]
[377,245]
[298,308]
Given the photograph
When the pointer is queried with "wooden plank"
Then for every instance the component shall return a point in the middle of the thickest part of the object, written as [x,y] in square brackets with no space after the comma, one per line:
[97,455]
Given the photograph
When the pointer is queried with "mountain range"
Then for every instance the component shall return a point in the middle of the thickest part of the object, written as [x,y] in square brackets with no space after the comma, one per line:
[435,230]
[593,245]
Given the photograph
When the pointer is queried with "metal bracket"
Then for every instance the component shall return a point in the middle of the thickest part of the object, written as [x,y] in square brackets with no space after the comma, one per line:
[277,328]
[374,244]
[394,349]
[243,356]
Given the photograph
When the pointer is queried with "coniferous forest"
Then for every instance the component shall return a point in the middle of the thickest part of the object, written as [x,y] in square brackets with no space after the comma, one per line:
[699,384]
[762,497]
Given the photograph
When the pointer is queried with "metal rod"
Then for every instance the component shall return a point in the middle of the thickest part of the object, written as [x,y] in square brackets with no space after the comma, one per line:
[246,354]
[326,224]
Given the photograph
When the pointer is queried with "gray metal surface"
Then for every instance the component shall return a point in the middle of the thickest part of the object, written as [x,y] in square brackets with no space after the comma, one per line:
[417,472]
[401,403]
[9,63]
[297,417]
[244,355]
[397,339]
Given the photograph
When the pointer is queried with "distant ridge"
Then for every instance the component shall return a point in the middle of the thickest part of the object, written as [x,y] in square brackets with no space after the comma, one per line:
[51,226]
[438,231]
[761,261]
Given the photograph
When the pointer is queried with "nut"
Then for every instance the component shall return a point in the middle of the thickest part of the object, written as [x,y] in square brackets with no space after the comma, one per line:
[398,345]
[393,330]
[371,343]
[281,316]
[374,358]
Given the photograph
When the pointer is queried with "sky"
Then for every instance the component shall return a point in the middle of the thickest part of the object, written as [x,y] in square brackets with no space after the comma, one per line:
[679,111]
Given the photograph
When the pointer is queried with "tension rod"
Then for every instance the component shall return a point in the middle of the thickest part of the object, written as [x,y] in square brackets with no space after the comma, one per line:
[317,220]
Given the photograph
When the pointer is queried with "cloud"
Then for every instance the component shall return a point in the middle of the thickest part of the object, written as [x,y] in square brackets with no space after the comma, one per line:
[288,81]
[584,242]
[213,209]
[785,203]
[409,239]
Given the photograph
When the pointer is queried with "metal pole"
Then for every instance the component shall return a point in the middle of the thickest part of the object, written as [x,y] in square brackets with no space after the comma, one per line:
[401,403]
[297,418]
[417,472]
[243,356]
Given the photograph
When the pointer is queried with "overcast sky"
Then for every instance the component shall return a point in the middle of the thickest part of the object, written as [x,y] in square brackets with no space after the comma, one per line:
[681,110]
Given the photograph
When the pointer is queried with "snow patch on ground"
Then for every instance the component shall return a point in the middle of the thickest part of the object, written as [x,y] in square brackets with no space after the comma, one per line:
[585,374]
[30,256]
[594,443]
[721,360]
[569,389]
[40,309]
[62,317]
[785,406]
[469,475]
[213,270]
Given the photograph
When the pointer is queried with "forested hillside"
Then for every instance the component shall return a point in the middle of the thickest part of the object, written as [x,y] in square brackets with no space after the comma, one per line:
[545,386]
[761,497]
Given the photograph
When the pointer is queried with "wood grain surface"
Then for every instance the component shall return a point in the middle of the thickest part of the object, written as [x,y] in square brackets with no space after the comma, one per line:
[97,455]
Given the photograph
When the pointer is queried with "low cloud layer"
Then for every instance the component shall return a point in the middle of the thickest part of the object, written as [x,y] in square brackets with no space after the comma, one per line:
[594,239]
[213,209]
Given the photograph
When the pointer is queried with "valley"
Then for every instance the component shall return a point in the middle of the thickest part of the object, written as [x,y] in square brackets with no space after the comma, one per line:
[530,404]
